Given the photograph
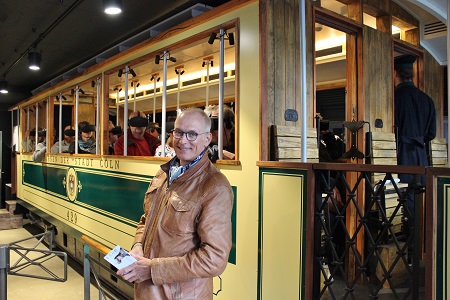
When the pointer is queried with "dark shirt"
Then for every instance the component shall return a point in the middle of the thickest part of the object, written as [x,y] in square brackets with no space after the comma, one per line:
[415,121]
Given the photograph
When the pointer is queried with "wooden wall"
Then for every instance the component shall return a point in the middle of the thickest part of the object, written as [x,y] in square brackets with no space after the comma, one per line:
[283,81]
[378,81]
[433,83]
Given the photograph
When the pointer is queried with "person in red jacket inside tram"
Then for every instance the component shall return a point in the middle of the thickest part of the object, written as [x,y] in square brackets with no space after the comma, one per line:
[140,142]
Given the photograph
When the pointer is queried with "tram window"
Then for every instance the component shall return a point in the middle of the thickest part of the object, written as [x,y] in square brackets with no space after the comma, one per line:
[35,120]
[86,116]
[192,81]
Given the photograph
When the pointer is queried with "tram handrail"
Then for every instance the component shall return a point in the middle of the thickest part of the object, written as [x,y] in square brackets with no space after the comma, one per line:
[104,293]
[93,243]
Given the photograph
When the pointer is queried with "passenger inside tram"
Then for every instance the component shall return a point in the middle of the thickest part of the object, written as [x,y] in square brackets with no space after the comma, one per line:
[86,139]
[154,129]
[29,142]
[228,136]
[68,138]
[140,142]
[168,150]
[41,146]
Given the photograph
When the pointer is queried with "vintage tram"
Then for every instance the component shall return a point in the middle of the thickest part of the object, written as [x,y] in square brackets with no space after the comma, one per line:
[245,55]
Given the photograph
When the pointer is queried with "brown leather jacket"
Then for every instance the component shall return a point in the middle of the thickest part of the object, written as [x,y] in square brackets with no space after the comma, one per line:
[186,231]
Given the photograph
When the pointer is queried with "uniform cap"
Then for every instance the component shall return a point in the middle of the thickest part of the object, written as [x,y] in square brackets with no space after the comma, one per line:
[404,61]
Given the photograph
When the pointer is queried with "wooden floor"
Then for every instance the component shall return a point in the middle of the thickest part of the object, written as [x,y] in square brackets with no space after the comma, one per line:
[19,287]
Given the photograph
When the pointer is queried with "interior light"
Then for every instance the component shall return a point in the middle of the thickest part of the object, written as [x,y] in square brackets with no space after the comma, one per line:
[3,86]
[34,60]
[112,7]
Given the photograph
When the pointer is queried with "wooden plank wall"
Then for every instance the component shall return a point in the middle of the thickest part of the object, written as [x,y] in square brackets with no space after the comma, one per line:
[286,143]
[433,86]
[378,81]
[283,83]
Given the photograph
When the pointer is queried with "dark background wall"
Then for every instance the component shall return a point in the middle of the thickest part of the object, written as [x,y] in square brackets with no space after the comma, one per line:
[5,128]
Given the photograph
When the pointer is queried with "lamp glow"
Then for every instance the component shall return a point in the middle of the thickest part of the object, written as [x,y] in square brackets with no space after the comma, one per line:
[112,7]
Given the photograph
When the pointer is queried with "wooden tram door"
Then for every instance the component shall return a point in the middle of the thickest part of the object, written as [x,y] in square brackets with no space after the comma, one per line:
[336,99]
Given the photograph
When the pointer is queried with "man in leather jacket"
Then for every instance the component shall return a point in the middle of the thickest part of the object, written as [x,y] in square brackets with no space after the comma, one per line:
[184,237]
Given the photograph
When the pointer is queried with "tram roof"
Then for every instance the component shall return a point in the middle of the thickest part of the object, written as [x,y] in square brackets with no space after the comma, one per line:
[86,32]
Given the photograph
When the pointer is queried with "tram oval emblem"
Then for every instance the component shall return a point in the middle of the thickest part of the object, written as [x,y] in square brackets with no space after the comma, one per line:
[71,183]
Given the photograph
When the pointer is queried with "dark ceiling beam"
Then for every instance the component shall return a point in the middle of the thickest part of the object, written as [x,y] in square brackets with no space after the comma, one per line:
[43,35]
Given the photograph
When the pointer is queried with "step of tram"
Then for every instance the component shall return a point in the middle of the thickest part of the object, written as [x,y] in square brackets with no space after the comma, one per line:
[8,220]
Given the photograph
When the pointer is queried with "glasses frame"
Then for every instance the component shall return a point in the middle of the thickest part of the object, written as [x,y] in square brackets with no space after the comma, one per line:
[186,134]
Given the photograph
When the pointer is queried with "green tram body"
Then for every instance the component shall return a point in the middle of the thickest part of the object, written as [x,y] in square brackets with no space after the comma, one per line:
[101,196]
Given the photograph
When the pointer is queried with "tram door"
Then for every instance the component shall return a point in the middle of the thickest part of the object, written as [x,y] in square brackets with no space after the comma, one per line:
[337,94]
[331,74]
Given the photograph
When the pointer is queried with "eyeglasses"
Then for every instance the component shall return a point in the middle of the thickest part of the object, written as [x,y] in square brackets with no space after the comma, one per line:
[190,136]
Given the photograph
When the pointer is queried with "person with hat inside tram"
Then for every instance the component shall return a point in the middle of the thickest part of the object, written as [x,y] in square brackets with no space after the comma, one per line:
[140,142]
[415,122]
[41,146]
[68,137]
[86,139]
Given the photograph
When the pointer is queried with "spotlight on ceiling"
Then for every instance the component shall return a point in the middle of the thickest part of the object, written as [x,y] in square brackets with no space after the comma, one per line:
[112,7]
[34,60]
[212,38]
[3,86]
[157,58]
[120,73]
[231,38]
[132,72]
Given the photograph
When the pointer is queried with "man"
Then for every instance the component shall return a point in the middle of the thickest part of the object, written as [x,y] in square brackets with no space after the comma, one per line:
[228,135]
[68,137]
[154,129]
[184,237]
[41,146]
[29,143]
[140,142]
[415,121]
[114,134]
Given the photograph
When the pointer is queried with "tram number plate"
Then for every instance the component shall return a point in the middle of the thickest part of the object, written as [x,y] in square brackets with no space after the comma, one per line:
[72,216]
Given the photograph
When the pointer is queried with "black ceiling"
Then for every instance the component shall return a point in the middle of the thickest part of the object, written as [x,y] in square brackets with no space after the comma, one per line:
[81,34]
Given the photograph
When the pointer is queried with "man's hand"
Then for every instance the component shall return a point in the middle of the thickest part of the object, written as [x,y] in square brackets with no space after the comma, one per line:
[140,270]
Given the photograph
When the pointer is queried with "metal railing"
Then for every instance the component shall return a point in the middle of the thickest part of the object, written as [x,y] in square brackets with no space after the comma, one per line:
[28,259]
[104,291]
[352,236]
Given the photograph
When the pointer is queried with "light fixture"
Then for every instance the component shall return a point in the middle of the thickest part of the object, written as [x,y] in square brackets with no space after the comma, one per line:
[213,36]
[3,86]
[120,73]
[112,7]
[34,60]
[132,72]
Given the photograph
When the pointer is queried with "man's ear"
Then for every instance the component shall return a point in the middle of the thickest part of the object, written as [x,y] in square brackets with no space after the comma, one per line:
[208,137]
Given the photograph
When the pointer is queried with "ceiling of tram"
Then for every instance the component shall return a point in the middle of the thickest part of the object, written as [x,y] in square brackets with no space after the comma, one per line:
[85,33]
[68,39]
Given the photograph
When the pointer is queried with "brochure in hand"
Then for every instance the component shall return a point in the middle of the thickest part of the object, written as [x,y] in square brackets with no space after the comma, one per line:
[119,258]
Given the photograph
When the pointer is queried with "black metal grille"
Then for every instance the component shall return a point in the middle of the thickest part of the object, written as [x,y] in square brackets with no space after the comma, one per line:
[335,246]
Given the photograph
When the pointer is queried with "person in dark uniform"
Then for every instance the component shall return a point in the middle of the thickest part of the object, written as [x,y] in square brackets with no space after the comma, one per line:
[415,121]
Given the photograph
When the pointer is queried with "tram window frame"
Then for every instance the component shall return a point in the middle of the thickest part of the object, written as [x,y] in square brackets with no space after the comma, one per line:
[85,89]
[148,59]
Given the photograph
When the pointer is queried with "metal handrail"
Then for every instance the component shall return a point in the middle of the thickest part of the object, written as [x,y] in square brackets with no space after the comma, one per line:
[24,261]
[104,292]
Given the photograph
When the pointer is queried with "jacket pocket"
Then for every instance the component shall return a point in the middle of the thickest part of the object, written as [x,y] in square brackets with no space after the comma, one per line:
[179,218]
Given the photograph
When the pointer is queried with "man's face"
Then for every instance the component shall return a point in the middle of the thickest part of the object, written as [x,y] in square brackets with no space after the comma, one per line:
[69,139]
[185,150]
[86,135]
[112,138]
[138,132]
